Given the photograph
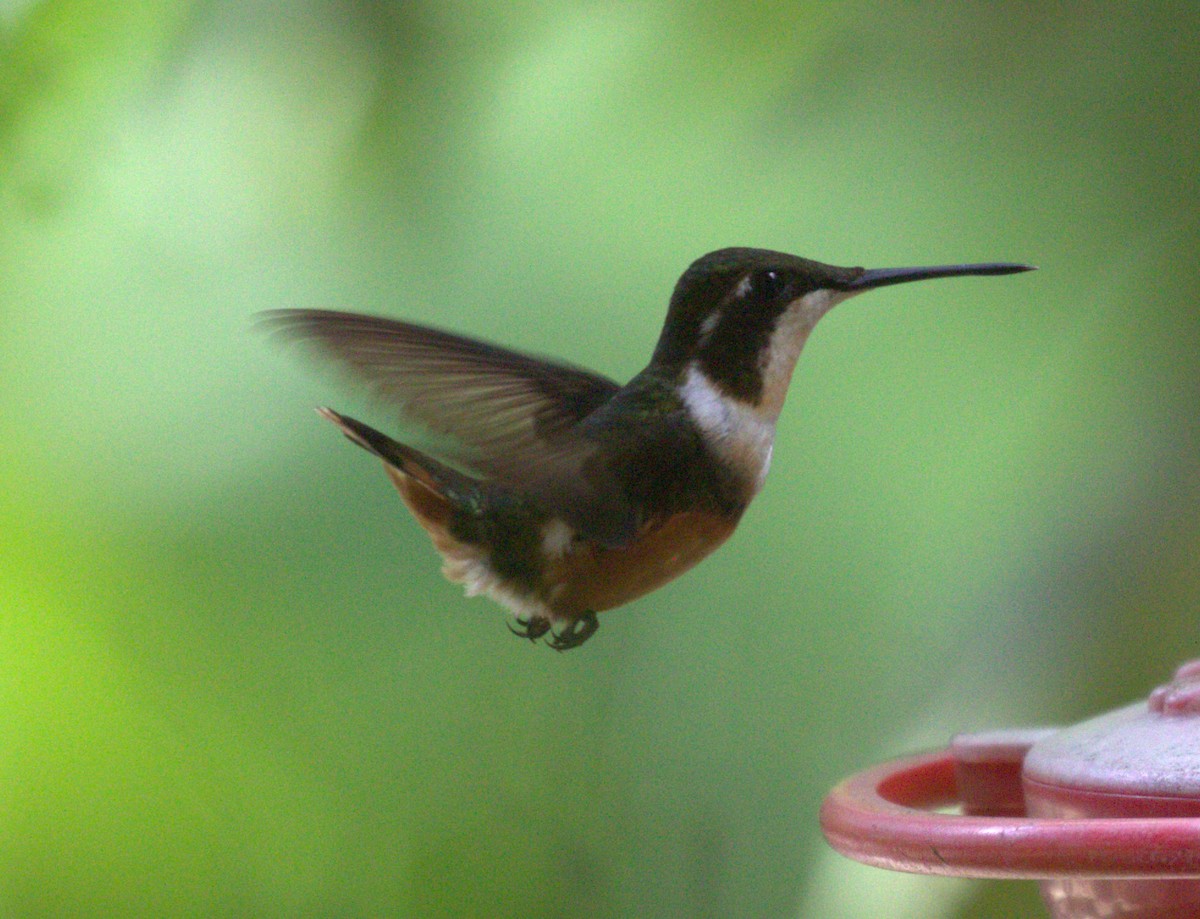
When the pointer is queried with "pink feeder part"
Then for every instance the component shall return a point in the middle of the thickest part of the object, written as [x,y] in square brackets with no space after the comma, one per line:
[1106,814]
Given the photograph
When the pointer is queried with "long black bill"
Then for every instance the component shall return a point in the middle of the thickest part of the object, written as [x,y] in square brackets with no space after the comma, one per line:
[882,277]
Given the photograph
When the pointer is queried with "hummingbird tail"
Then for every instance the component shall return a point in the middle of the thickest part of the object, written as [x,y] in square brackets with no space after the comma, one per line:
[437,495]
[426,470]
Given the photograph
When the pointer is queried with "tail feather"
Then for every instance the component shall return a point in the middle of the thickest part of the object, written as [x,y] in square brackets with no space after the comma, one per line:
[420,466]
[436,494]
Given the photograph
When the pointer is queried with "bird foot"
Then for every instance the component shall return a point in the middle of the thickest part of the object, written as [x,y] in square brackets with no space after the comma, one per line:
[533,629]
[574,633]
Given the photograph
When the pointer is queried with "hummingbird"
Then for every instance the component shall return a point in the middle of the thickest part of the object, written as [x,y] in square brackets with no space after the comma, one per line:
[562,493]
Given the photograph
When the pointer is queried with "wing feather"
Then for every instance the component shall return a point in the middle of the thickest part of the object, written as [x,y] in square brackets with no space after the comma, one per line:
[512,417]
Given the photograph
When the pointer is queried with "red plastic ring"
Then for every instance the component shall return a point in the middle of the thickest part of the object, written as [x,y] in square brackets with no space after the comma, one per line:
[884,816]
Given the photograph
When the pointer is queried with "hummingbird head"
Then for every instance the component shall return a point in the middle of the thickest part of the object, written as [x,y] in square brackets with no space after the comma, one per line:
[738,318]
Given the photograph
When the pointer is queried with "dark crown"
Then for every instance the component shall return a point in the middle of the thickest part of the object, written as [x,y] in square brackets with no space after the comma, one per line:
[725,307]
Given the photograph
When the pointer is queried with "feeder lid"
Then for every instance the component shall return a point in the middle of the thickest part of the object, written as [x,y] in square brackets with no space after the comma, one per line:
[1149,748]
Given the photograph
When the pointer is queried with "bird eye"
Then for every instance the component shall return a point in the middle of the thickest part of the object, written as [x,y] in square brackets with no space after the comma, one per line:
[769,284]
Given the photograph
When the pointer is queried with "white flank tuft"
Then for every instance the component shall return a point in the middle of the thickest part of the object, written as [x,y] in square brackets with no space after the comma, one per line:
[556,537]
[468,565]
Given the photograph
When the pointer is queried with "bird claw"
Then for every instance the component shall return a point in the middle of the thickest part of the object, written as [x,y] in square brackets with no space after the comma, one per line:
[533,629]
[574,633]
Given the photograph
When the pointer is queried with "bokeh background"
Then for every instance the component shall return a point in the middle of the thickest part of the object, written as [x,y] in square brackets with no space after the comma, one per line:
[233,681]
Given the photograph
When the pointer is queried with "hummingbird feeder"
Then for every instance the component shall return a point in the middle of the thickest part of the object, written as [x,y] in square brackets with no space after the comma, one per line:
[1104,814]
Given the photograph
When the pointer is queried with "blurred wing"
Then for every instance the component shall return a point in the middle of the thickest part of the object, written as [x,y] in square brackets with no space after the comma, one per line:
[513,417]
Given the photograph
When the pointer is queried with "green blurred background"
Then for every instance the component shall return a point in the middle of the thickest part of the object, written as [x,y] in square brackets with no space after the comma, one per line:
[233,682]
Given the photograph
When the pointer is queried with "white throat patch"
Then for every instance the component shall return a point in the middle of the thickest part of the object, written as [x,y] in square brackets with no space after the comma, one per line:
[744,434]
[737,431]
[787,341]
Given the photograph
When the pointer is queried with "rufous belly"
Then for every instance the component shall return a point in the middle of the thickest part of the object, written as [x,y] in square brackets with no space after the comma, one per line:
[580,576]
[590,577]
